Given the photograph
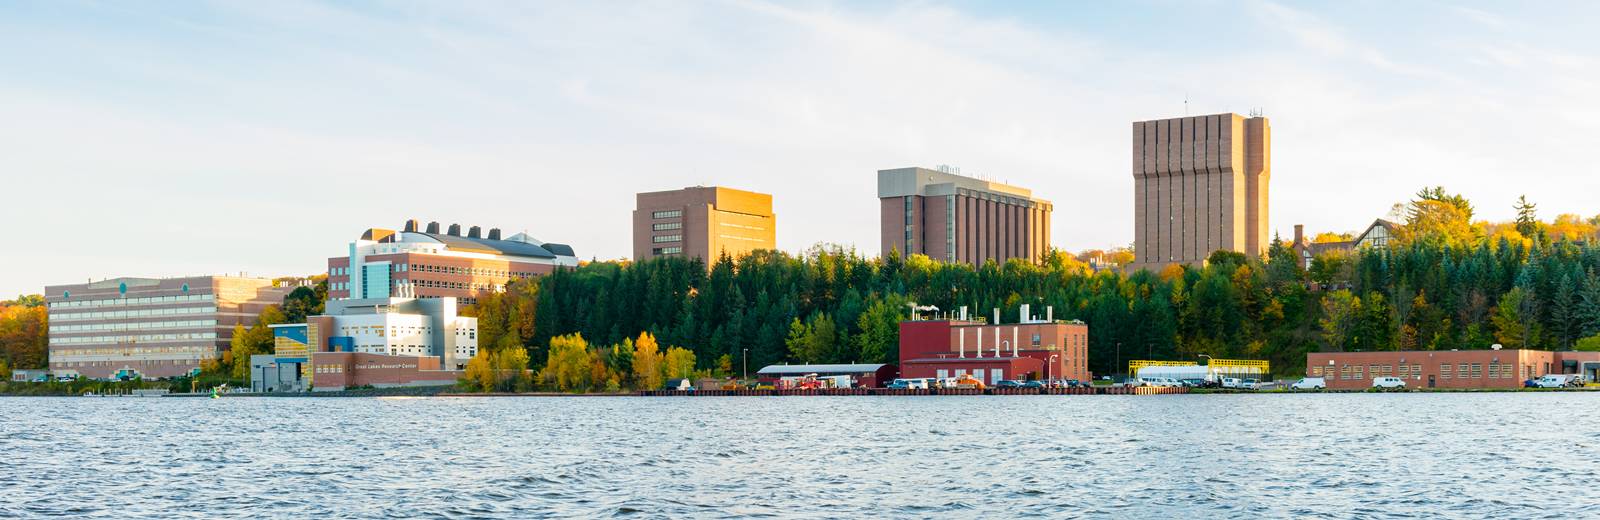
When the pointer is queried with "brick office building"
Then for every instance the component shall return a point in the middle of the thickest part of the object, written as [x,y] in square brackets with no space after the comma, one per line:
[1449,368]
[953,218]
[1032,348]
[426,263]
[702,222]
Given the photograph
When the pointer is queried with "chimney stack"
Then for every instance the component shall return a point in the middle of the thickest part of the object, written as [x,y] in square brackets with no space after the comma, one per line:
[996,316]
[433,227]
[474,232]
[1299,233]
[455,230]
[1022,314]
[494,233]
[1049,314]
[411,226]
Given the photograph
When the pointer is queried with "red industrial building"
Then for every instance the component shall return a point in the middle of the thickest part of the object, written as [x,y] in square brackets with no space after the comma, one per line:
[1030,349]
[1449,368]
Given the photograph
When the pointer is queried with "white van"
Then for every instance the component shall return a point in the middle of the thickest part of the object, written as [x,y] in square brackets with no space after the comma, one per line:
[1310,383]
[1232,382]
[1554,381]
[1388,382]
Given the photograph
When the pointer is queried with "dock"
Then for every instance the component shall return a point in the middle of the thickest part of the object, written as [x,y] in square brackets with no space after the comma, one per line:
[1099,390]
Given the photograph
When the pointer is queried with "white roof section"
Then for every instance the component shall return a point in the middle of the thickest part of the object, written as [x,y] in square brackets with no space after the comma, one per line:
[901,182]
[820,369]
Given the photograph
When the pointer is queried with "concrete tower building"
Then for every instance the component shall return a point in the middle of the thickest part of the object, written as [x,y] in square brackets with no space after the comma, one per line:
[1200,185]
[960,219]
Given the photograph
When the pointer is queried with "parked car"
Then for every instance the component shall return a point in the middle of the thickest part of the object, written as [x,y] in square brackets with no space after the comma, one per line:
[1008,383]
[1530,383]
[1388,382]
[1310,383]
[1160,381]
[1073,383]
[1033,384]
[64,378]
[1250,384]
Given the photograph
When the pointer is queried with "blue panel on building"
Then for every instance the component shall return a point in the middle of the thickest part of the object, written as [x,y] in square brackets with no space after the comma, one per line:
[341,344]
[294,332]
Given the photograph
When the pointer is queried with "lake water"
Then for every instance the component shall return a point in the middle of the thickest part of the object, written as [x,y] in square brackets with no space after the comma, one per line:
[1489,455]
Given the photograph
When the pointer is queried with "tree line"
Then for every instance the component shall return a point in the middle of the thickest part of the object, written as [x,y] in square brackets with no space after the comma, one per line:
[1443,282]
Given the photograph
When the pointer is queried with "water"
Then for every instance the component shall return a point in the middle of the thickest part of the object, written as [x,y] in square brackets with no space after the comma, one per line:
[1193,456]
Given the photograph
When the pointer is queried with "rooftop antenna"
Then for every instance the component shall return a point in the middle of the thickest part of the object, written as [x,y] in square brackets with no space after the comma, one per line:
[1185,104]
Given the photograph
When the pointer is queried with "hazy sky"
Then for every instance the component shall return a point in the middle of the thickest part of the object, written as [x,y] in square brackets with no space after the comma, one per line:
[176,138]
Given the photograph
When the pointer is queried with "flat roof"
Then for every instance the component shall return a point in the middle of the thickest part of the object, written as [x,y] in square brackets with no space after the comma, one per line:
[808,369]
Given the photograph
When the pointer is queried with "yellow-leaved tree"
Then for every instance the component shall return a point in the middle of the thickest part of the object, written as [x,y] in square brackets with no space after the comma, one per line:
[647,362]
[569,365]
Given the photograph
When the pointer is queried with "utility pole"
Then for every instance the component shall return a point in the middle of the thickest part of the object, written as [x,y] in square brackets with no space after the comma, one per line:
[744,360]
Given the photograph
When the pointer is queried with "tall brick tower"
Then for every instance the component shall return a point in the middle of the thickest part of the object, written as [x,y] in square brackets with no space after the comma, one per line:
[1200,185]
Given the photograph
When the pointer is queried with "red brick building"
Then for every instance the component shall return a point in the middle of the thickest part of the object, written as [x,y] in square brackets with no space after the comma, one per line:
[341,370]
[1448,369]
[419,262]
[1036,349]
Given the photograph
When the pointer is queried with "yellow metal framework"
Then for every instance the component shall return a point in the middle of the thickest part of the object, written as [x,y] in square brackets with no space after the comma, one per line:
[1215,367]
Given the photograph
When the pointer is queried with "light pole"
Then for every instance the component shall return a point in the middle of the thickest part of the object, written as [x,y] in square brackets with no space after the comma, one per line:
[1047,366]
[744,361]
[1118,363]
[1208,363]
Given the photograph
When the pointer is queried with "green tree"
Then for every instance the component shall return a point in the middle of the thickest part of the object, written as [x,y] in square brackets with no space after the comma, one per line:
[1510,320]
[1340,311]
[879,339]
[569,365]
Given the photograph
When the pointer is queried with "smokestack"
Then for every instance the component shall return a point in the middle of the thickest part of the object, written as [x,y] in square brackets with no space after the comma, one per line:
[1014,341]
[963,313]
[963,342]
[997,339]
[996,316]
[411,226]
[433,227]
[1049,314]
[1299,232]
[980,342]
[494,233]
[474,232]
[1022,314]
[455,230]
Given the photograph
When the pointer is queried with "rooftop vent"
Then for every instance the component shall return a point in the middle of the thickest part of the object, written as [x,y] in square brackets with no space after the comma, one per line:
[433,227]
[494,233]
[455,230]
[411,226]
[474,232]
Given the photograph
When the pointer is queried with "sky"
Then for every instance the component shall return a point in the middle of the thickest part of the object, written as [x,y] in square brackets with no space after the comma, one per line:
[181,138]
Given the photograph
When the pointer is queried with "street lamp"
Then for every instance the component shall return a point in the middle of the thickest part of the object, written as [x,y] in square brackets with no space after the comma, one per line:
[744,361]
[1047,366]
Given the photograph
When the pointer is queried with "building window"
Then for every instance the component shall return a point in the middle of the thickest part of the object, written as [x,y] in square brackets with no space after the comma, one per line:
[1446,371]
[666,226]
[673,213]
[666,238]
[910,247]
[1035,339]
[673,250]
[950,231]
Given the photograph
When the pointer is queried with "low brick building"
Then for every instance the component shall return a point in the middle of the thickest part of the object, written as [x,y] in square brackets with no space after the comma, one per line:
[1449,368]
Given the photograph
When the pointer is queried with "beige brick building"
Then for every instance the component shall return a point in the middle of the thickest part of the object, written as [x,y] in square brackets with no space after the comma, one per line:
[1200,185]
[953,218]
[702,222]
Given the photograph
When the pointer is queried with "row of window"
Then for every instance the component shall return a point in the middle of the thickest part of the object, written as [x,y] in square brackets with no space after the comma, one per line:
[445,269]
[666,226]
[144,300]
[192,350]
[1446,371]
[666,238]
[330,369]
[136,313]
[671,213]
[133,339]
[741,226]
[132,326]
[672,250]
